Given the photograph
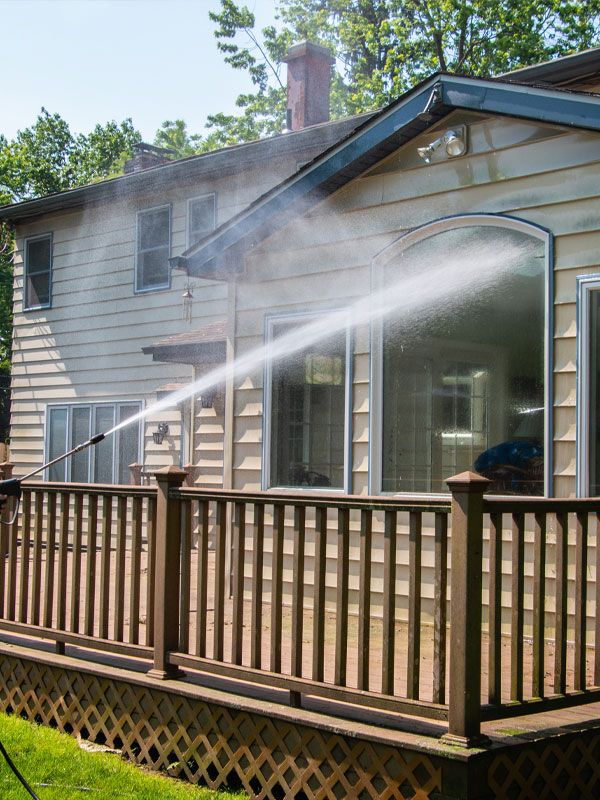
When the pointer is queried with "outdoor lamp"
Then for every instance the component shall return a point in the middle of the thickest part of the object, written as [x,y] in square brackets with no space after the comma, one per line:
[454,145]
[160,433]
[207,399]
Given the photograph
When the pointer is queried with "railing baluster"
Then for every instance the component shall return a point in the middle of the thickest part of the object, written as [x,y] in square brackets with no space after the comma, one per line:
[415,540]
[276,586]
[440,593]
[25,555]
[219,596]
[185,572]
[597,620]
[341,605]
[11,589]
[50,554]
[539,604]
[364,599]
[120,559]
[318,654]
[495,611]
[389,602]
[517,590]
[36,578]
[151,570]
[76,561]
[581,534]
[105,567]
[239,552]
[63,555]
[298,596]
[202,578]
[90,566]
[560,629]
[136,559]
[258,536]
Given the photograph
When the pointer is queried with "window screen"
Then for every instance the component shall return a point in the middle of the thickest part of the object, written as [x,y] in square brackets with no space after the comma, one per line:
[38,268]
[201,219]
[153,249]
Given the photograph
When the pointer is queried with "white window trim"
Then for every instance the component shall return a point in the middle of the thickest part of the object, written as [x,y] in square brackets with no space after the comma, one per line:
[586,285]
[189,216]
[140,213]
[92,405]
[376,367]
[26,306]
[270,321]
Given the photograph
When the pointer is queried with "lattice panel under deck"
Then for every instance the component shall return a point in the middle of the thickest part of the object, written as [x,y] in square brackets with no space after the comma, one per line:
[558,770]
[212,744]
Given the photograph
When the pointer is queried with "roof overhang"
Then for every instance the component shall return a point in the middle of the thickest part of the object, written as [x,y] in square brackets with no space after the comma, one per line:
[218,256]
[203,346]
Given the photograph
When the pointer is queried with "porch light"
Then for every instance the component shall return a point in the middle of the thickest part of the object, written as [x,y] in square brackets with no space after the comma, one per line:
[160,433]
[207,400]
[454,145]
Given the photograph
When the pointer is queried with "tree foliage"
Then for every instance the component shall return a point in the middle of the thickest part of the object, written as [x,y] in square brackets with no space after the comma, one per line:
[383,47]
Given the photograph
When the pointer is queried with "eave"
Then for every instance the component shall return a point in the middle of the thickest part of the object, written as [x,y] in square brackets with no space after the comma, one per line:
[220,255]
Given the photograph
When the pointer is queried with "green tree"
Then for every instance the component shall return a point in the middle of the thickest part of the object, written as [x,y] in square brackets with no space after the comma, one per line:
[173,135]
[383,47]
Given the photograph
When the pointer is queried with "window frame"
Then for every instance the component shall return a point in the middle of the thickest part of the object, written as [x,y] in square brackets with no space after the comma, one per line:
[271,320]
[92,405]
[28,239]
[586,285]
[191,200]
[376,355]
[141,290]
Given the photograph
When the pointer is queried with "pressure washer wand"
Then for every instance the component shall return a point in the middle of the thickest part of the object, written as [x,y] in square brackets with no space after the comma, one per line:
[11,487]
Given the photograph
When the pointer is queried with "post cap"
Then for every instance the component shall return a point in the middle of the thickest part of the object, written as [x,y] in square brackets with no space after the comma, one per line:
[468,482]
[172,474]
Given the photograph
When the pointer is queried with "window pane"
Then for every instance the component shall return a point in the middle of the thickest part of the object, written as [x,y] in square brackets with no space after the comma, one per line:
[594,399]
[128,444]
[57,442]
[80,432]
[37,272]
[103,452]
[154,228]
[153,268]
[202,217]
[308,415]
[38,289]
[463,385]
[38,255]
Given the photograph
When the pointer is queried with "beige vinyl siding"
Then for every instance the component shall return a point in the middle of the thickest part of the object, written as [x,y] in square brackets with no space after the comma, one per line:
[542,174]
[88,346]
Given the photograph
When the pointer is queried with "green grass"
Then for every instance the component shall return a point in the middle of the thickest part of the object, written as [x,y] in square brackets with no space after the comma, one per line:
[44,756]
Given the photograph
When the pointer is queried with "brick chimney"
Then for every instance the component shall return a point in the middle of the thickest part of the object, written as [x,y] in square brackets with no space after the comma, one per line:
[308,84]
[146,155]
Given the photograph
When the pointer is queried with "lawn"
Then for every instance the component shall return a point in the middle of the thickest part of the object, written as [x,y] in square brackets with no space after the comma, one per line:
[57,769]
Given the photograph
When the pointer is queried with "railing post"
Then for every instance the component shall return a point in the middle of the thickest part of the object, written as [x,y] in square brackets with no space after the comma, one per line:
[464,698]
[6,469]
[167,571]
[135,471]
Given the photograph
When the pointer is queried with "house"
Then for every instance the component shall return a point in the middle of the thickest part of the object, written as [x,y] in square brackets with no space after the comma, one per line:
[470,204]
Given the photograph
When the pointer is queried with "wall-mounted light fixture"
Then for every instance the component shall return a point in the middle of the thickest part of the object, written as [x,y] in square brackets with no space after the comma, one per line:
[207,399]
[453,141]
[160,433]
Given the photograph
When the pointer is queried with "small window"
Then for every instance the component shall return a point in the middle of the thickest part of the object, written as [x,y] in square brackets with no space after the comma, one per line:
[108,461]
[38,268]
[153,249]
[201,217]
[308,413]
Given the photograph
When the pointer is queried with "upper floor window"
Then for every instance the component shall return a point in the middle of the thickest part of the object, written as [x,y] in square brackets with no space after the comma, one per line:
[38,269]
[201,217]
[153,249]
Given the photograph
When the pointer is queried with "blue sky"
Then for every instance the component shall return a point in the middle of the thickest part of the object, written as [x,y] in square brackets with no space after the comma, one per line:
[95,60]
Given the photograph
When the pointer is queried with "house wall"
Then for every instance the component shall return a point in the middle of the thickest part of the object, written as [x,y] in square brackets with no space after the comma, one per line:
[543,175]
[88,345]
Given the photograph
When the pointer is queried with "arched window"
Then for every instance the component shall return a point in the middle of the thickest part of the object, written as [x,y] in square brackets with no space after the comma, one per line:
[459,379]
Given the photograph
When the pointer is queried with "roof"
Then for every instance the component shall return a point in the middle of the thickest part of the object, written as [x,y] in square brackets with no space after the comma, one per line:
[561,71]
[227,160]
[205,345]
[219,254]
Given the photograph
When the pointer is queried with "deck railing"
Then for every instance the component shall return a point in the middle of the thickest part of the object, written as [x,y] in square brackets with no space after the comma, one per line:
[337,597]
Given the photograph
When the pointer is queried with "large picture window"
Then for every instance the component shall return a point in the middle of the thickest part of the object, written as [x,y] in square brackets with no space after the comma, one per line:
[37,282]
[588,394]
[462,381]
[107,462]
[153,249]
[307,422]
